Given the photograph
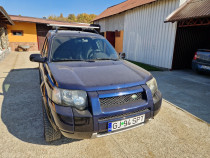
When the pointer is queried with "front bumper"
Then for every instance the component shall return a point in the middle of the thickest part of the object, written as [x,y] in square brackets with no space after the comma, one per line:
[83,125]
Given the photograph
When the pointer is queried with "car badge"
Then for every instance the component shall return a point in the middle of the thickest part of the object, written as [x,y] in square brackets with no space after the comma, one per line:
[134,96]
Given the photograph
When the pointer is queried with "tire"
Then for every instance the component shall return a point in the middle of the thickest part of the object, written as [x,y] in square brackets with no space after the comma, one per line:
[40,80]
[50,134]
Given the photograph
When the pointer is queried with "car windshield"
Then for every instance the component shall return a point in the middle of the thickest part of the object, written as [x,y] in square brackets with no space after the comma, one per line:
[82,48]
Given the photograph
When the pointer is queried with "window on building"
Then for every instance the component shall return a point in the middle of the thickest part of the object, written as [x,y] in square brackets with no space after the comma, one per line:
[117,33]
[17,33]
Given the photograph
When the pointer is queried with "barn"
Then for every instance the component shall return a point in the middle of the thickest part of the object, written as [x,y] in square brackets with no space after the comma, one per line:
[155,31]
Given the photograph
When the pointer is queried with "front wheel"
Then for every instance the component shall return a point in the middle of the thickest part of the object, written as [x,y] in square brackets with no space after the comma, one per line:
[50,134]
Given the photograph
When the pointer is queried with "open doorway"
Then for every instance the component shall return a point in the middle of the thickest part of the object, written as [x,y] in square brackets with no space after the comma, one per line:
[188,41]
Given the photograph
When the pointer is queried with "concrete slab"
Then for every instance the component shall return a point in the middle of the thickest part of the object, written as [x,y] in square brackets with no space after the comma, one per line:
[186,89]
[173,133]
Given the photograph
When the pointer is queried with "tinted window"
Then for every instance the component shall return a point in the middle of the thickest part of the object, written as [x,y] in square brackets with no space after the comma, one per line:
[82,48]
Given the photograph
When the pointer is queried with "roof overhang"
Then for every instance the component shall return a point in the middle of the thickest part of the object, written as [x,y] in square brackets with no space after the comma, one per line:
[48,22]
[191,9]
[122,7]
[4,17]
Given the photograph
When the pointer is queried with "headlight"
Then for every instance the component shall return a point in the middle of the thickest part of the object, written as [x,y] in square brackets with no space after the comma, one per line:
[74,98]
[152,84]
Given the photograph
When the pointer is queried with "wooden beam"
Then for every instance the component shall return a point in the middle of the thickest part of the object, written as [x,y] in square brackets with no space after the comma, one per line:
[194,22]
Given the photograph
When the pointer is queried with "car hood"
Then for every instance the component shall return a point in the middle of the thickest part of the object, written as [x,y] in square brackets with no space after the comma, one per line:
[99,75]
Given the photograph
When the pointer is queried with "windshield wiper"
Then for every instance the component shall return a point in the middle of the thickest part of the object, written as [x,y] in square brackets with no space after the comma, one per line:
[63,60]
[85,60]
[67,60]
[106,59]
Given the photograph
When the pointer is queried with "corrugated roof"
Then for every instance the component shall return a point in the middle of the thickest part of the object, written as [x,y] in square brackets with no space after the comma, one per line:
[5,17]
[44,21]
[124,6]
[190,9]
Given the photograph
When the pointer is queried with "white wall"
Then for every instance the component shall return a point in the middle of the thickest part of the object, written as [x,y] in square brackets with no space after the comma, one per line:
[182,1]
[147,38]
[101,22]
[112,23]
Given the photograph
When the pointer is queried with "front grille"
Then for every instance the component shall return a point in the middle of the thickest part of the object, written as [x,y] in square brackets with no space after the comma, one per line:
[124,115]
[120,100]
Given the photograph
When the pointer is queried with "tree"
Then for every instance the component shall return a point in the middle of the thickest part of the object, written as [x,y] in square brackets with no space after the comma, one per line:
[61,15]
[72,18]
[82,18]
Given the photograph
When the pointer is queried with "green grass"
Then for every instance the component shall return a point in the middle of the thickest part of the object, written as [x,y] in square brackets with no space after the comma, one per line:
[145,66]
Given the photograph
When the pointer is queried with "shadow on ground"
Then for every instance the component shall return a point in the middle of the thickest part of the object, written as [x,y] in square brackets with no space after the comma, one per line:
[22,108]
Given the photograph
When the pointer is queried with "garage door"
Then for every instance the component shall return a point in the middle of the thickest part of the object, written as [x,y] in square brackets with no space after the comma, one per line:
[188,40]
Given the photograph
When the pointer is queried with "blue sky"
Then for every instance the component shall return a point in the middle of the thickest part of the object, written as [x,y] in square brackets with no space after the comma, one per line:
[40,8]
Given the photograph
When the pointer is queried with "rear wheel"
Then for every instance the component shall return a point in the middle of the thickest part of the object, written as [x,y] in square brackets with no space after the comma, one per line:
[194,68]
[50,134]
[40,80]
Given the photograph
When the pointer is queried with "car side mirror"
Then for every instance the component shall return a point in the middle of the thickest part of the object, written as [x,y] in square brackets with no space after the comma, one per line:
[122,55]
[37,58]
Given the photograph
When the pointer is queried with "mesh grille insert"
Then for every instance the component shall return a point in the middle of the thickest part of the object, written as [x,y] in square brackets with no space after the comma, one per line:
[120,100]
[123,115]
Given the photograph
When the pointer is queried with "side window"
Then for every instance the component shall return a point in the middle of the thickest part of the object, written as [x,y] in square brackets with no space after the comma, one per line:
[44,51]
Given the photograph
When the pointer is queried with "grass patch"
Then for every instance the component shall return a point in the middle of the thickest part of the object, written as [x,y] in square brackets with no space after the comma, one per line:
[145,66]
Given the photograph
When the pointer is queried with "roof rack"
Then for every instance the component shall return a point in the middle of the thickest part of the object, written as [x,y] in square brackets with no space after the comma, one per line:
[89,28]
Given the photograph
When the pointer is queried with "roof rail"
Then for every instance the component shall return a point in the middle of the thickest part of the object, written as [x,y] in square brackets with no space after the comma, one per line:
[89,28]
[75,26]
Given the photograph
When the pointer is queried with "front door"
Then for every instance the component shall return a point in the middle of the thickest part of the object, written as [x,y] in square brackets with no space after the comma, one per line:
[110,36]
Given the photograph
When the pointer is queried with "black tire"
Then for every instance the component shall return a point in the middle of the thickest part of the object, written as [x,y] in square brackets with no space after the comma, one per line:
[196,71]
[50,134]
[40,80]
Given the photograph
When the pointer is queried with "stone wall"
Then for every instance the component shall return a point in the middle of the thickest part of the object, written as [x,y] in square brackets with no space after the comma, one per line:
[4,43]
[33,45]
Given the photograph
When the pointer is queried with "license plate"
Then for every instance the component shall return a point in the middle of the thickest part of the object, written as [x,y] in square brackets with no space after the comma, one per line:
[205,67]
[117,125]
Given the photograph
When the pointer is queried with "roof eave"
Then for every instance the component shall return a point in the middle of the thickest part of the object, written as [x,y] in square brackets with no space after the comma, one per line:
[122,11]
[169,18]
[188,18]
[6,15]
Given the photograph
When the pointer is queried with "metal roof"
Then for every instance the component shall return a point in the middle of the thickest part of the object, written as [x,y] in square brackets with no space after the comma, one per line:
[45,21]
[191,9]
[4,17]
[124,6]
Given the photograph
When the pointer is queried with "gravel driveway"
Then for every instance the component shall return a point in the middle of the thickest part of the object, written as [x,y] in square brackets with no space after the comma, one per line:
[173,133]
